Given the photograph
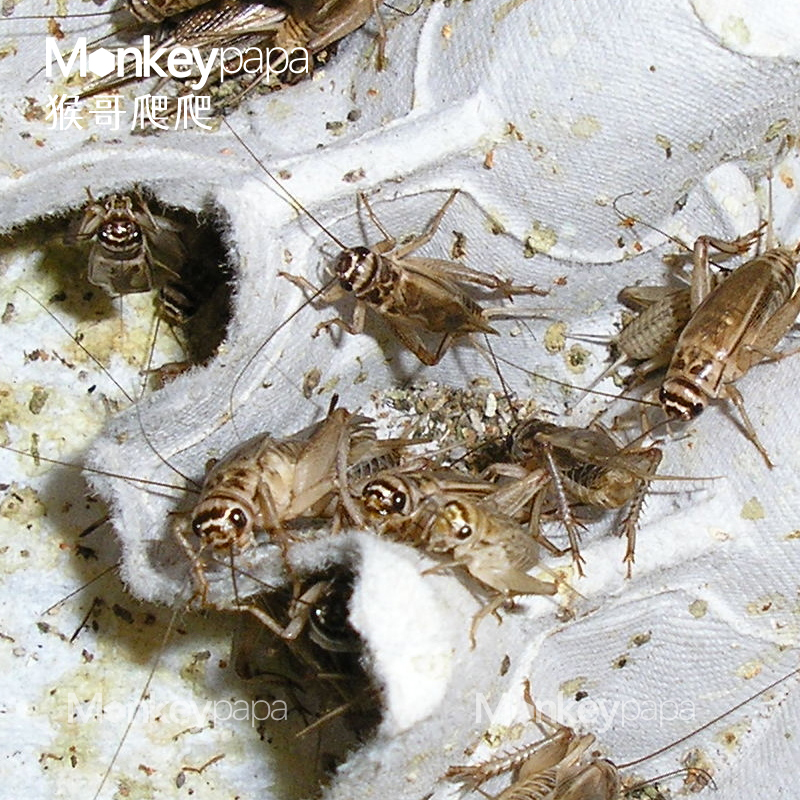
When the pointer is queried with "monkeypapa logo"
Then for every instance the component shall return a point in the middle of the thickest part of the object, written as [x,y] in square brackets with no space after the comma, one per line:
[177,62]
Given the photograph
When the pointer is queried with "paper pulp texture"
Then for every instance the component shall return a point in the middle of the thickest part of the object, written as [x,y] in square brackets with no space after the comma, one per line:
[541,114]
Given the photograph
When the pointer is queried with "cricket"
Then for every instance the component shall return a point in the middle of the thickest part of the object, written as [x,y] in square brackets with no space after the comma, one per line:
[308,465]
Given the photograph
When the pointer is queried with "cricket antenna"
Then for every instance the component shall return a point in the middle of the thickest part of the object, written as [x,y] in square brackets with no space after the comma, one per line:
[770,228]
[263,345]
[711,722]
[59,15]
[130,478]
[292,200]
[557,382]
[688,771]
[590,389]
[74,592]
[405,12]
[119,386]
[626,217]
[141,699]
[501,377]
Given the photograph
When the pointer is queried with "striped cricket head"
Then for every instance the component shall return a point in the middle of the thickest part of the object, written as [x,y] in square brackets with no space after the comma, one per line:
[120,232]
[681,398]
[329,619]
[457,522]
[224,519]
[386,496]
[355,269]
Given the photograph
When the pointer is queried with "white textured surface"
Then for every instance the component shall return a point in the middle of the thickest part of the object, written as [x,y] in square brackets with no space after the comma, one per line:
[578,102]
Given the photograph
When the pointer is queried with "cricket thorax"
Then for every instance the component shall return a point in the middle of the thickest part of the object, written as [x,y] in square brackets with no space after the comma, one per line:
[781,261]
[119,275]
[156,11]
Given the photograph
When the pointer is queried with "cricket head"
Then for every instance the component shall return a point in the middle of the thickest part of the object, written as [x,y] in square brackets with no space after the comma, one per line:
[120,232]
[681,399]
[329,620]
[355,268]
[386,496]
[224,522]
[524,441]
[453,524]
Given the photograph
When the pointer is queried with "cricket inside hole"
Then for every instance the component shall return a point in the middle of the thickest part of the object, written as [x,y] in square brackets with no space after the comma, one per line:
[115,665]
[155,647]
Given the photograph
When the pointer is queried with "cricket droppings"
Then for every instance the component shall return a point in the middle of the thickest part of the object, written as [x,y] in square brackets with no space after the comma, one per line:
[577,358]
[639,639]
[750,670]
[541,239]
[469,417]
[38,399]
[698,608]
[22,505]
[753,510]
[310,382]
[768,603]
[585,127]
[555,339]
[573,686]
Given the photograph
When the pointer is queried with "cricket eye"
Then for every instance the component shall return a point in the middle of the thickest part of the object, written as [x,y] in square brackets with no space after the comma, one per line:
[343,268]
[696,410]
[398,501]
[464,532]
[238,519]
[455,515]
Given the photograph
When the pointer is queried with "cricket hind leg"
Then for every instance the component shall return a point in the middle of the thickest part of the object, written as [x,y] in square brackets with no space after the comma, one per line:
[564,510]
[417,241]
[702,282]
[413,341]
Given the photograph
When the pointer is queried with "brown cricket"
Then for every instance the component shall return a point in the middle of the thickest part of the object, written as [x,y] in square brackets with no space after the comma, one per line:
[128,243]
[733,327]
